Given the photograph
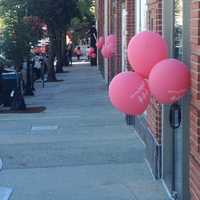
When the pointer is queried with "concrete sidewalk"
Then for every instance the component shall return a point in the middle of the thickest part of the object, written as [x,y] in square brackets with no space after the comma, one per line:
[78,149]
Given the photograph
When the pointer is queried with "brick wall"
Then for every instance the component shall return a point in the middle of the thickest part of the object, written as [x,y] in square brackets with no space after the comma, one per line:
[130,7]
[115,28]
[155,24]
[154,119]
[131,24]
[117,31]
[195,105]
[155,15]
[100,32]
[110,31]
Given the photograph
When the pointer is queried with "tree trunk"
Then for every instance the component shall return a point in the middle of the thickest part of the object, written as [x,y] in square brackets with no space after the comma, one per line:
[63,43]
[18,64]
[59,52]
[51,55]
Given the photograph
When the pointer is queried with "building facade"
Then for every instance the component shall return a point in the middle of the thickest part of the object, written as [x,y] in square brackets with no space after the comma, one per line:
[173,155]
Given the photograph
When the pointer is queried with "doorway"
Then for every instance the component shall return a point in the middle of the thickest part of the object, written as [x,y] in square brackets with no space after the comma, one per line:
[175,142]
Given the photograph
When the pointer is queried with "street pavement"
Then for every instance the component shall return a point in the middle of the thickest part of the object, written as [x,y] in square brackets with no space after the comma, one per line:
[80,148]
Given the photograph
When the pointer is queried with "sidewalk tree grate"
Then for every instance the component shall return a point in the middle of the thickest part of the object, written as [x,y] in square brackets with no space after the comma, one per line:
[26,111]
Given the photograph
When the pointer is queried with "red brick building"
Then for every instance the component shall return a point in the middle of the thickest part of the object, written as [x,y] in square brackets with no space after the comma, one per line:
[173,156]
[195,103]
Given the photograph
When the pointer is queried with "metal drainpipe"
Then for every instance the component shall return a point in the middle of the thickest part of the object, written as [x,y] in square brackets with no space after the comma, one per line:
[175,123]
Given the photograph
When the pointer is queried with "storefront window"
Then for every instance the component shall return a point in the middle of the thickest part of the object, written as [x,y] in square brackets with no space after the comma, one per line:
[141,15]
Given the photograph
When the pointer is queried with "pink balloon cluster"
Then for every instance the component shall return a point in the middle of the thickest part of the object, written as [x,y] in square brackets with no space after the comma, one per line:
[106,52]
[109,46]
[168,79]
[91,51]
[100,42]
[93,55]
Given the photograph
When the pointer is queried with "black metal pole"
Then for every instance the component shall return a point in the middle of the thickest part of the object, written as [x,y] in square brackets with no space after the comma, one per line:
[28,88]
[174,193]
[175,122]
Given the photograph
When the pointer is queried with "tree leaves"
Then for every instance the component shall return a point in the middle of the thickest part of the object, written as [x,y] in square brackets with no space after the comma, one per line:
[57,14]
[18,34]
[83,22]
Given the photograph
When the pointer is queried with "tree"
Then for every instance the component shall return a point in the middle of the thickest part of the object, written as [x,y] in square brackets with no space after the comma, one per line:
[57,15]
[83,22]
[19,34]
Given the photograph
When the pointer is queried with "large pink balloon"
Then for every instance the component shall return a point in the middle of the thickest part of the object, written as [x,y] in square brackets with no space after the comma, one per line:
[98,45]
[90,51]
[106,52]
[111,42]
[129,93]
[111,39]
[93,55]
[109,47]
[100,42]
[169,81]
[145,50]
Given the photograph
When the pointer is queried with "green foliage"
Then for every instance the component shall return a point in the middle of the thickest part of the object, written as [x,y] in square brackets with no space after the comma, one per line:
[18,41]
[56,14]
[86,18]
[18,33]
